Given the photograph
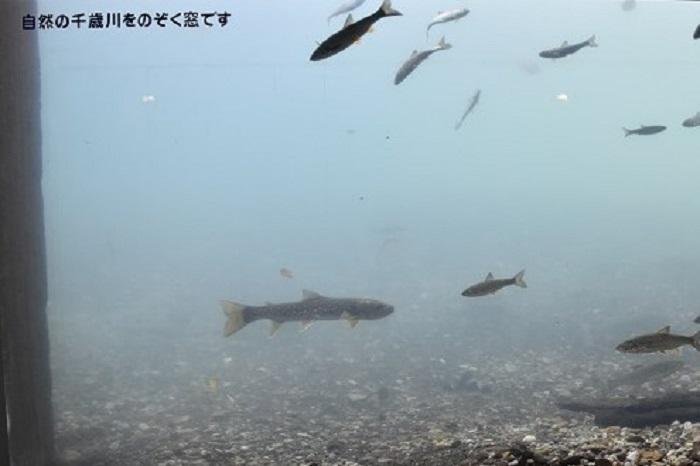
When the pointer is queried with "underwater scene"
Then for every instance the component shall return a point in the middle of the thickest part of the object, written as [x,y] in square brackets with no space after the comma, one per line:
[373,233]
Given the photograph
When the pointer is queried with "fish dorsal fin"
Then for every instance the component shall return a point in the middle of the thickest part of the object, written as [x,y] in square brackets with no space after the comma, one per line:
[414,53]
[565,43]
[442,42]
[489,277]
[275,326]
[308,294]
[348,21]
[352,320]
[666,329]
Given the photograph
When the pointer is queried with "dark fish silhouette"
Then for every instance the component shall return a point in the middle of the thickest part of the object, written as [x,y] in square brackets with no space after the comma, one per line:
[311,308]
[696,34]
[491,285]
[644,130]
[661,341]
[416,59]
[472,103]
[566,49]
[693,121]
[351,33]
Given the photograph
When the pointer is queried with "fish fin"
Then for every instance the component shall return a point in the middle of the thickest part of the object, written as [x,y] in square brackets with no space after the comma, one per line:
[317,43]
[489,277]
[696,341]
[666,329]
[352,320]
[274,327]
[236,319]
[414,53]
[519,279]
[305,325]
[627,131]
[348,21]
[308,294]
[444,45]
[387,10]
[591,41]
[371,29]
[564,44]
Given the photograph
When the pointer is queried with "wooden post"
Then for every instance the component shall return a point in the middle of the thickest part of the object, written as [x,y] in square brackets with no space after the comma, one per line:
[24,331]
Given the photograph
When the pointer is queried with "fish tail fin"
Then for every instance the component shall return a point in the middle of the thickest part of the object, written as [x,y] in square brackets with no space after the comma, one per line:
[592,42]
[387,10]
[236,318]
[444,45]
[627,131]
[519,279]
[696,341]
[427,31]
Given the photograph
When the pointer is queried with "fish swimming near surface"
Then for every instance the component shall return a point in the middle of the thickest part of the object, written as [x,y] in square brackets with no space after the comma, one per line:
[346,8]
[644,130]
[566,49]
[416,59]
[286,273]
[693,121]
[311,308]
[491,285]
[446,17]
[472,103]
[640,375]
[661,341]
[351,33]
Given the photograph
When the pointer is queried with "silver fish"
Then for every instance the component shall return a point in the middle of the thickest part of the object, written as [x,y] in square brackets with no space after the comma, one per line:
[693,121]
[661,341]
[311,308]
[491,285]
[346,8]
[416,59]
[472,103]
[566,49]
[644,130]
[446,17]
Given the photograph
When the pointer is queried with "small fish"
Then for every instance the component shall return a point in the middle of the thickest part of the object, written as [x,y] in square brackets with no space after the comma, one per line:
[693,121]
[416,59]
[646,373]
[661,341]
[311,308]
[351,33]
[566,49]
[446,17]
[286,273]
[491,285]
[346,8]
[696,34]
[644,130]
[472,103]
[628,5]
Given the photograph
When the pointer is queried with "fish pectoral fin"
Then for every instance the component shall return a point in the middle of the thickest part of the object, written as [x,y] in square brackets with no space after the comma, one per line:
[666,329]
[352,320]
[305,325]
[371,29]
[274,327]
[308,294]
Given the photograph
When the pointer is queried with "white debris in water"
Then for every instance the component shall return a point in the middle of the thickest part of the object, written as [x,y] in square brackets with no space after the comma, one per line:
[228,360]
[563,98]
[529,438]
[148,98]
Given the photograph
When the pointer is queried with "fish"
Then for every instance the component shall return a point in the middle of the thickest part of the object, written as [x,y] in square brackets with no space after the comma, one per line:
[311,308]
[416,59]
[286,273]
[491,285]
[628,5]
[696,34]
[644,130]
[697,320]
[566,49]
[640,375]
[351,33]
[446,17]
[472,103]
[346,8]
[693,121]
[661,341]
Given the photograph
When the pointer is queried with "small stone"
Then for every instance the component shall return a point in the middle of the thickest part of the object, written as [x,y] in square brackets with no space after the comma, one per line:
[144,426]
[603,462]
[529,438]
